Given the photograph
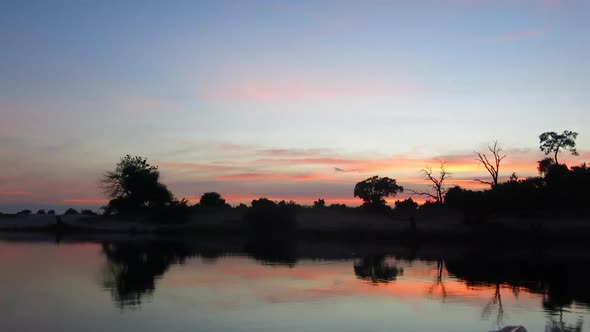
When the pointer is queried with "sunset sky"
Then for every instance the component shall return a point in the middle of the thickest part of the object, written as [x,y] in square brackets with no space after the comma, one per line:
[284,99]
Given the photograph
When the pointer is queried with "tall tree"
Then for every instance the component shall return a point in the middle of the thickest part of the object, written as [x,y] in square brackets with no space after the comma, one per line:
[374,189]
[437,188]
[492,164]
[552,142]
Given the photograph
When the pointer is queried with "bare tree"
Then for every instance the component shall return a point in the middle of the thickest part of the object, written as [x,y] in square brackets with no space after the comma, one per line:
[493,166]
[437,189]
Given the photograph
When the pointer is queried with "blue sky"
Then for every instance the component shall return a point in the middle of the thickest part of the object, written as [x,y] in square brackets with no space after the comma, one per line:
[223,83]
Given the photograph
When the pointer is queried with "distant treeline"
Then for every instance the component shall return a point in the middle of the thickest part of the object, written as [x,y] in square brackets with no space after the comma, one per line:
[134,189]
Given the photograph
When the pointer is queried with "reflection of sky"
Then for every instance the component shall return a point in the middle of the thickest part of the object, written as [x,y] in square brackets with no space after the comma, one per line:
[44,285]
[268,97]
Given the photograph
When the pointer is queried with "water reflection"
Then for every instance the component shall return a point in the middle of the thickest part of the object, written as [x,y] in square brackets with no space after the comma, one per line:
[375,269]
[132,268]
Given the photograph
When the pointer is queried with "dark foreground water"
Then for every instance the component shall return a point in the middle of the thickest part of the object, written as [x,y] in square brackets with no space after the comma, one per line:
[191,286]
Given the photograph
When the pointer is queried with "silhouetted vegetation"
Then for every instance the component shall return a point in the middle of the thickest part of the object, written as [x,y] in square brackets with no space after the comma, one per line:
[51,212]
[24,212]
[491,164]
[407,204]
[134,189]
[40,211]
[374,190]
[212,200]
[88,212]
[319,204]
[562,190]
[375,269]
[552,142]
[71,211]
[265,216]
[437,188]
[559,189]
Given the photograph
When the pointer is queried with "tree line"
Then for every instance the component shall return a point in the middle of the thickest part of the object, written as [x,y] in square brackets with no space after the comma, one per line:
[134,188]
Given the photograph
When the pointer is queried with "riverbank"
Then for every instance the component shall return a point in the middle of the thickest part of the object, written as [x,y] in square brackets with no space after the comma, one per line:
[321,225]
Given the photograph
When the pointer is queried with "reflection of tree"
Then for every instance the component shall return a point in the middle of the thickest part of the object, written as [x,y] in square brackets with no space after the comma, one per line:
[374,268]
[560,282]
[438,280]
[561,326]
[274,249]
[496,301]
[132,269]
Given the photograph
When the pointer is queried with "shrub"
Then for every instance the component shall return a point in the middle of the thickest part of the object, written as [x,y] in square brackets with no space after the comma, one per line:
[71,211]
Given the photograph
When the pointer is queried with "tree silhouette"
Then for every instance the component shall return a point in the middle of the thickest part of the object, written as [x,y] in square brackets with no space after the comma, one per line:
[71,211]
[552,142]
[320,203]
[406,205]
[212,200]
[544,165]
[133,185]
[438,183]
[373,190]
[493,167]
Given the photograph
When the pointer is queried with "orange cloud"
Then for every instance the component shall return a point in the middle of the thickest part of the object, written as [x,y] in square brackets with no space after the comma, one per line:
[271,177]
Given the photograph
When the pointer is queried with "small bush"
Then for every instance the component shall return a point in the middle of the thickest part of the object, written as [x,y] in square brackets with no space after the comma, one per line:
[88,212]
[71,211]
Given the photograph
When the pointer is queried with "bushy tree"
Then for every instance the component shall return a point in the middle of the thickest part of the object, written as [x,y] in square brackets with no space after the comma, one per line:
[212,200]
[552,142]
[24,212]
[41,211]
[51,212]
[406,205]
[134,185]
[320,203]
[266,216]
[373,190]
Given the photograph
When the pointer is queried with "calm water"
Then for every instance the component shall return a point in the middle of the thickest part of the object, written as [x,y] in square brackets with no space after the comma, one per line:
[191,286]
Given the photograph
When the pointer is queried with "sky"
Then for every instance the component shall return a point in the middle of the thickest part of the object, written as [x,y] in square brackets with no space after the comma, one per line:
[291,100]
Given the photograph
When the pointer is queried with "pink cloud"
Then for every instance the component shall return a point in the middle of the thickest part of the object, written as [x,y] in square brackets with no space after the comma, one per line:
[268,91]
